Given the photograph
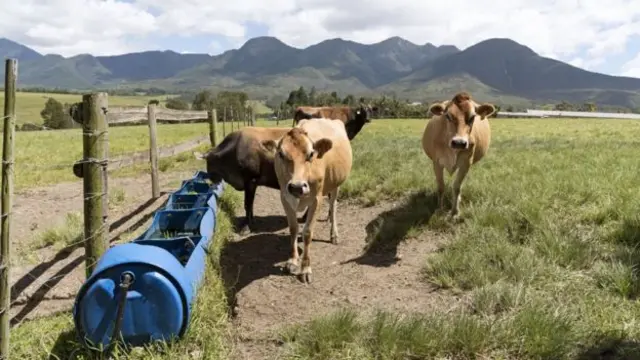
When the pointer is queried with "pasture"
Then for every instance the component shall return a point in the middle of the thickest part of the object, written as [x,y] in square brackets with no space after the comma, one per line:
[543,264]
[45,157]
[29,104]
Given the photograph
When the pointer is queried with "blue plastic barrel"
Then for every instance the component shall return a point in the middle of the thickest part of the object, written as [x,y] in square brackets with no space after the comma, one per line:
[166,265]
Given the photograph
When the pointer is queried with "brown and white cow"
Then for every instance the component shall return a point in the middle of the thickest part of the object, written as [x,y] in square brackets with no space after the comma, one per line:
[312,161]
[456,137]
[354,119]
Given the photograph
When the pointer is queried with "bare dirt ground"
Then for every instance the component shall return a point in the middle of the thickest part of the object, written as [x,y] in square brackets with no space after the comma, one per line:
[48,281]
[265,298]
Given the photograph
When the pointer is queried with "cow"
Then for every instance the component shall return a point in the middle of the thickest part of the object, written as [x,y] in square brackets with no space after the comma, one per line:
[312,160]
[354,119]
[456,137]
[242,162]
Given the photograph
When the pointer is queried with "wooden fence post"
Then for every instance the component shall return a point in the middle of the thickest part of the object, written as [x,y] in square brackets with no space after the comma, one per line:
[94,124]
[224,122]
[10,79]
[213,123]
[153,151]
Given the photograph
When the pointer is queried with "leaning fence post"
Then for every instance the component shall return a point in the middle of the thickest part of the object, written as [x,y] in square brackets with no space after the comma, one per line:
[153,150]
[10,79]
[94,126]
[213,123]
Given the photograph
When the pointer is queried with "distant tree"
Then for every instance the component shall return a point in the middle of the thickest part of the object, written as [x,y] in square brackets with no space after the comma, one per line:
[177,104]
[154,102]
[349,100]
[312,96]
[55,116]
[204,100]
[564,106]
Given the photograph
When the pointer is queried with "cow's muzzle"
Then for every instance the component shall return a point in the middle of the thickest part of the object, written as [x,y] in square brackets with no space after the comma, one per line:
[459,143]
[298,188]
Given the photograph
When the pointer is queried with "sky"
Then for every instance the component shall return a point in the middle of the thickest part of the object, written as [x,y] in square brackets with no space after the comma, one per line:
[602,36]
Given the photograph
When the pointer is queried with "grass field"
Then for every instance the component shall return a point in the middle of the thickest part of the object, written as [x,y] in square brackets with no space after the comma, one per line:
[544,264]
[46,157]
[29,105]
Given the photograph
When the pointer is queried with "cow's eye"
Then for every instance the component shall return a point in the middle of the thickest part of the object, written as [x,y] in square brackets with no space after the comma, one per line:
[310,156]
[448,116]
[471,119]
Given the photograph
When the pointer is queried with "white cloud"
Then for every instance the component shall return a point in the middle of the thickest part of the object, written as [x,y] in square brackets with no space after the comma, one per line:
[632,67]
[581,31]
[69,27]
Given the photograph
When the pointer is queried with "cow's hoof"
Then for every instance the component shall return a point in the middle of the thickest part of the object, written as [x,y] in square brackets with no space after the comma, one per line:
[292,267]
[245,230]
[334,239]
[305,276]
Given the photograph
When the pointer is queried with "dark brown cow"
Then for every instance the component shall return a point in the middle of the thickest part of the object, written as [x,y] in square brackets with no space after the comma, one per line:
[353,119]
[242,162]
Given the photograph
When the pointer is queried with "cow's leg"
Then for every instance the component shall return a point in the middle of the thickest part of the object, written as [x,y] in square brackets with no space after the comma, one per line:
[307,236]
[333,202]
[250,188]
[306,212]
[457,185]
[294,260]
[439,171]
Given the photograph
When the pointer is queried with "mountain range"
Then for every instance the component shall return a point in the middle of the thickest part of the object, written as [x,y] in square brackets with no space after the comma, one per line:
[499,70]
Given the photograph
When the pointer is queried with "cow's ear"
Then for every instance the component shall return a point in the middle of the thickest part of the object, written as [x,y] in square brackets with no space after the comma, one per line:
[322,146]
[269,145]
[436,109]
[485,110]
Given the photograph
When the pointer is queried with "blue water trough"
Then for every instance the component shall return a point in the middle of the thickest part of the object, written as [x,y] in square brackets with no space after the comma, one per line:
[145,289]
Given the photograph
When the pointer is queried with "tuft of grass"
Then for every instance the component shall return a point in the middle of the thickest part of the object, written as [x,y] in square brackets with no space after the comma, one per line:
[68,233]
[207,336]
[117,197]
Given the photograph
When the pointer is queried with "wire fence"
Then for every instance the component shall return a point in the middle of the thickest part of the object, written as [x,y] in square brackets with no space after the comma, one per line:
[41,282]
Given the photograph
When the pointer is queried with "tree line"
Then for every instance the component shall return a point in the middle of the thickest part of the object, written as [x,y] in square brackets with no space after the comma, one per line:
[234,105]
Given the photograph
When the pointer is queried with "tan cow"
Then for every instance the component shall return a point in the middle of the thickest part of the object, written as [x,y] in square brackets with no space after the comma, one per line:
[456,137]
[312,160]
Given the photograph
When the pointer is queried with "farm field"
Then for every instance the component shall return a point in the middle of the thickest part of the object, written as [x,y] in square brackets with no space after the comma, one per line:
[543,264]
[29,105]
[45,157]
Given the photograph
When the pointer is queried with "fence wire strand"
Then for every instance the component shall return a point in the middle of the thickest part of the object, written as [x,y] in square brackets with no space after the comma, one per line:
[44,284]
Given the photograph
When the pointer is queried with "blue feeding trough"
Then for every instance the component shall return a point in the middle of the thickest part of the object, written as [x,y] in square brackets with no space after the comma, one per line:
[143,291]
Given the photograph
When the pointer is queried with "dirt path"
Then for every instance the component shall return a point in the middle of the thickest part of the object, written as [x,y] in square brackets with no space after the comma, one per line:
[266,298]
[49,281]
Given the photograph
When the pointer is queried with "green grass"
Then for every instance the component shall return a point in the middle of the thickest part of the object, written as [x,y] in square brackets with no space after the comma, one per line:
[545,260]
[54,337]
[46,157]
[29,104]
[544,264]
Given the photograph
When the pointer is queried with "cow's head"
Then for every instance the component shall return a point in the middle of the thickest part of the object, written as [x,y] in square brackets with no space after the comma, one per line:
[357,120]
[459,114]
[295,152]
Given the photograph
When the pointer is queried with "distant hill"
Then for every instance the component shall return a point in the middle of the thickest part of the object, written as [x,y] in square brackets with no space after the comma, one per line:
[499,70]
